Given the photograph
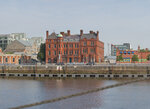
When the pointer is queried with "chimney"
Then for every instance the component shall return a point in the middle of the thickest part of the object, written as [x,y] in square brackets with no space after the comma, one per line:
[68,32]
[98,35]
[62,33]
[91,32]
[47,34]
[81,32]
[139,48]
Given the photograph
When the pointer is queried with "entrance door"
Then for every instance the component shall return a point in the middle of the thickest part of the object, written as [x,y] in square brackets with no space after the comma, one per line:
[70,60]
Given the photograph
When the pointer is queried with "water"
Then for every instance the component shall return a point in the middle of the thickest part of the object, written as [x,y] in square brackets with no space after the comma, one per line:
[16,92]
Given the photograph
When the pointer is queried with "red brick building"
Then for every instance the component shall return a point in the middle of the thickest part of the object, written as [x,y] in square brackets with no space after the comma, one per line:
[68,48]
[128,54]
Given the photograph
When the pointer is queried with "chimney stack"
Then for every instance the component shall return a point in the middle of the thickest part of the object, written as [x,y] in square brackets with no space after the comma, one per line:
[62,33]
[139,48]
[47,34]
[81,32]
[68,32]
[98,35]
[91,32]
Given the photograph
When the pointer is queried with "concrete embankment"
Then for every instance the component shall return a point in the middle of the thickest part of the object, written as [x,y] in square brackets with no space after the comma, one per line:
[103,71]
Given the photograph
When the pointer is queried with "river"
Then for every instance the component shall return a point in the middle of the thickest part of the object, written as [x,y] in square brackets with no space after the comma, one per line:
[16,92]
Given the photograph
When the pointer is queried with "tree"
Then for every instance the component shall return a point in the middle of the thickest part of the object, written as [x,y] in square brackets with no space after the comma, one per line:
[142,50]
[41,54]
[148,57]
[135,58]
[120,58]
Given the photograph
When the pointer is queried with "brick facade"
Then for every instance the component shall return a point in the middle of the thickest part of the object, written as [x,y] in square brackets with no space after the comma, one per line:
[68,48]
[13,59]
[128,54]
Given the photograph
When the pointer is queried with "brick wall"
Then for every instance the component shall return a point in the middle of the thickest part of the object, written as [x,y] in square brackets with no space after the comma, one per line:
[59,51]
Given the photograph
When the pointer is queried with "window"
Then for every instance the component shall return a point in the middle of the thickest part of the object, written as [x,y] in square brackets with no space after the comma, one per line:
[92,43]
[71,52]
[49,60]
[59,52]
[85,43]
[76,45]
[6,59]
[49,46]
[92,50]
[64,45]
[54,52]
[75,59]
[85,50]
[13,59]
[49,53]
[76,52]
[54,45]
[71,45]
[5,41]
[59,45]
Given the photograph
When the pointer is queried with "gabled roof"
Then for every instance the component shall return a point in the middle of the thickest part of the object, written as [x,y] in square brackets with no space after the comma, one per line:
[17,46]
[52,36]
[25,43]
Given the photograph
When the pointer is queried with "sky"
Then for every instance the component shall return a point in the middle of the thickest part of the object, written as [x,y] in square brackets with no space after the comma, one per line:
[118,21]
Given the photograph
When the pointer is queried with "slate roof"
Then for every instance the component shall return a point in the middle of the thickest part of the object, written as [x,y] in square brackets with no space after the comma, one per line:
[89,36]
[17,46]
[25,43]
[53,36]
[73,38]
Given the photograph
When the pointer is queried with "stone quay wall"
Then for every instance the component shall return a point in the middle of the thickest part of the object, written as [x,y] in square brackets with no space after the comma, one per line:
[86,69]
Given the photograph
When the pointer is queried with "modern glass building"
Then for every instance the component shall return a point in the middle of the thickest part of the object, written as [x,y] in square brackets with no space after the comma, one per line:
[19,36]
[6,39]
[125,46]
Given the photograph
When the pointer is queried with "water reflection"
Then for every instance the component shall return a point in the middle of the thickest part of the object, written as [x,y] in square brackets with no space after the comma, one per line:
[16,92]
